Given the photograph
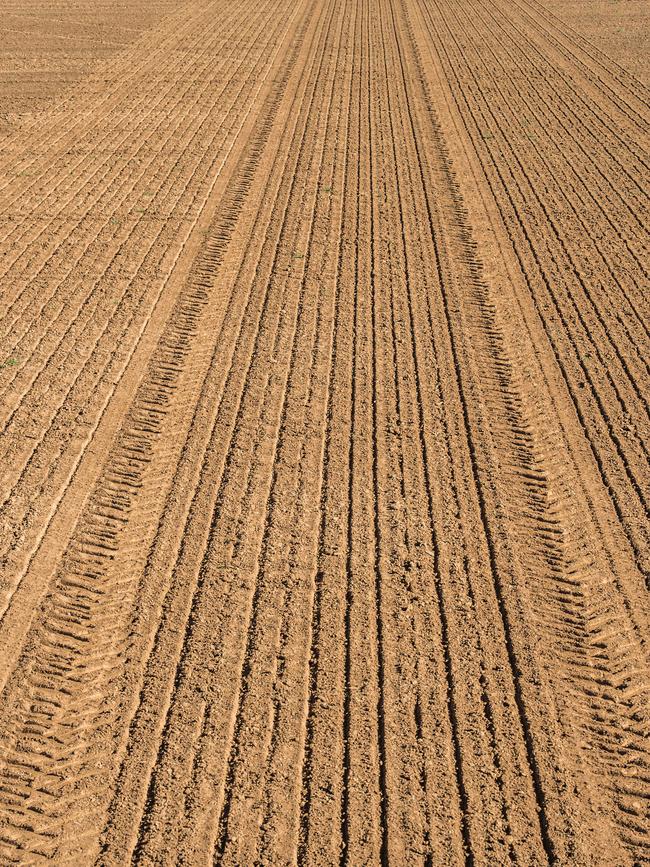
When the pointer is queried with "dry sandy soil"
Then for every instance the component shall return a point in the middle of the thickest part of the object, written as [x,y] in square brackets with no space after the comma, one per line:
[46,45]
[324,459]
[621,28]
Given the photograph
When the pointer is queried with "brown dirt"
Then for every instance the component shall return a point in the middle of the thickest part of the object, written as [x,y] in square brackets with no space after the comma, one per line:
[46,46]
[324,486]
[620,28]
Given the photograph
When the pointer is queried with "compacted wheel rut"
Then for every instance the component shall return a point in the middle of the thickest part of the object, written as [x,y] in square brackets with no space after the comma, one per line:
[325,425]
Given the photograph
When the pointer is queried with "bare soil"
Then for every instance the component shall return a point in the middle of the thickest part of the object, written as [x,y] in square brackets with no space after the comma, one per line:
[47,46]
[325,425]
[620,28]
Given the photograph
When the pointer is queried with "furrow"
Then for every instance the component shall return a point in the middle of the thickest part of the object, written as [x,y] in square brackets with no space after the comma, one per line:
[123,246]
[95,372]
[242,502]
[615,441]
[325,442]
[605,75]
[587,186]
[69,652]
[573,590]
[164,635]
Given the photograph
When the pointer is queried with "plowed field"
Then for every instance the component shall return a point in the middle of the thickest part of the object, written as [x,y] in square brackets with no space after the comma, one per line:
[47,45]
[324,474]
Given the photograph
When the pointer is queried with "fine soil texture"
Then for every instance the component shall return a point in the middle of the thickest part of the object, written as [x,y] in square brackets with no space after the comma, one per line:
[324,475]
[621,28]
[46,45]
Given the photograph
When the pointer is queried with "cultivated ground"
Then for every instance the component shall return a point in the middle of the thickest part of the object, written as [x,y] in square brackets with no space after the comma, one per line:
[324,467]
[47,45]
